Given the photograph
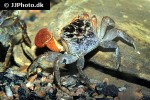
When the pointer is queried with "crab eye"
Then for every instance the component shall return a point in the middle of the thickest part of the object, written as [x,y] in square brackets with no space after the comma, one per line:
[87,24]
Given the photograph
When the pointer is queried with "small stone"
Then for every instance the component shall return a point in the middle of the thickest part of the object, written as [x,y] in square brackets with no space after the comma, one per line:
[8,91]
[22,93]
[52,93]
[30,85]
[32,78]
[79,91]
[110,90]
[131,93]
[99,87]
[107,90]
[69,81]
[2,93]
[15,89]
[41,93]
[23,69]
[33,96]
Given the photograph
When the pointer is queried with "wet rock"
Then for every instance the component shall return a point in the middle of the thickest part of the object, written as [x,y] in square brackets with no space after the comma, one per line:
[79,91]
[17,71]
[43,89]
[69,81]
[8,91]
[131,93]
[7,78]
[22,94]
[52,94]
[107,90]
[19,56]
[33,96]
[2,93]
[81,97]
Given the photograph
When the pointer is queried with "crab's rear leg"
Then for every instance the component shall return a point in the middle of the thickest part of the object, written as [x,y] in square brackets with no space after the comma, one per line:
[107,41]
[117,33]
[108,31]
[112,45]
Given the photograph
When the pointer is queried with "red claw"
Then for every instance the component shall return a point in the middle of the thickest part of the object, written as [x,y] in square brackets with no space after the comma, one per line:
[45,38]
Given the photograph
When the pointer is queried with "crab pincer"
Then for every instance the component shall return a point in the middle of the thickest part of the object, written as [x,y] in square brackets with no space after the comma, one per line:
[45,38]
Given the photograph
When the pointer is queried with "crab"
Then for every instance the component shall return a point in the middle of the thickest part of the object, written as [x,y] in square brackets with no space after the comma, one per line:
[12,31]
[80,37]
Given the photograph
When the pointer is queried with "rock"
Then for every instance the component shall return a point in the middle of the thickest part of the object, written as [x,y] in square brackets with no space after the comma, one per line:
[131,93]
[133,63]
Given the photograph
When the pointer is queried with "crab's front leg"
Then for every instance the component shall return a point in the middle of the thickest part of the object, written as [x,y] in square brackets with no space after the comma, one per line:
[80,65]
[44,61]
[62,60]
[68,59]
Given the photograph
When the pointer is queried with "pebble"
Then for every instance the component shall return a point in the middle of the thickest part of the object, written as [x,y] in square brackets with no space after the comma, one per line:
[8,91]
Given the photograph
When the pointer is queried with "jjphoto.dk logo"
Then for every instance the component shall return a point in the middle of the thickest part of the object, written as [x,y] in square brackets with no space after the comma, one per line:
[12,5]
[25,5]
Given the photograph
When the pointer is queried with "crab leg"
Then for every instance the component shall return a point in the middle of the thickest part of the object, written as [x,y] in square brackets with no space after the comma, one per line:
[123,35]
[112,45]
[8,55]
[25,36]
[93,20]
[85,16]
[105,23]
[68,59]
[114,33]
[80,65]
[108,41]
[32,68]
[61,61]
[47,57]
